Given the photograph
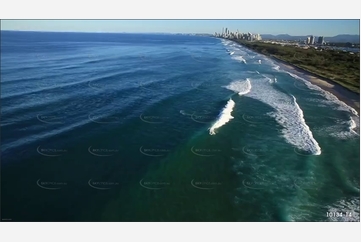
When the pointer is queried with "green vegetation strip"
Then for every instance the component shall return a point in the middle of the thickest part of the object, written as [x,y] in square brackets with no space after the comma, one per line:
[337,66]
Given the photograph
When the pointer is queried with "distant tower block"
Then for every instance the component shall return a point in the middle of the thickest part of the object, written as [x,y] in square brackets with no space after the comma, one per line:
[321,40]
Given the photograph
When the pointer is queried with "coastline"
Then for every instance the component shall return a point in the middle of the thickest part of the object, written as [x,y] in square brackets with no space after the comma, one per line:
[345,95]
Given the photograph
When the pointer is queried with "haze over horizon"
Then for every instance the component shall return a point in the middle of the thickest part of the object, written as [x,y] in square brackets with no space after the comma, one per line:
[327,28]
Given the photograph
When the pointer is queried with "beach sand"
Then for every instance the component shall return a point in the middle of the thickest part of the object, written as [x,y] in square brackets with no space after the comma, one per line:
[343,94]
[351,98]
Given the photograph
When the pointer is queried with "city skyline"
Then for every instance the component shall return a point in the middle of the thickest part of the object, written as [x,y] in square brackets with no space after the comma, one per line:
[292,27]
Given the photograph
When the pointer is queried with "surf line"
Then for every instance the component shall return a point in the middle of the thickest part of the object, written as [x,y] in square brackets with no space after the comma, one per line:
[223,117]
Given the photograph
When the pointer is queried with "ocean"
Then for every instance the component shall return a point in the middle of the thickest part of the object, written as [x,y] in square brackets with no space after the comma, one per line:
[166,127]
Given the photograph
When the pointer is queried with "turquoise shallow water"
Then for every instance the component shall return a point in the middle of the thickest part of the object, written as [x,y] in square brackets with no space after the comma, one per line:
[142,127]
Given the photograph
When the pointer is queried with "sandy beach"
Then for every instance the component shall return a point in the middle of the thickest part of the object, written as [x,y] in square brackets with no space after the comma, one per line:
[343,94]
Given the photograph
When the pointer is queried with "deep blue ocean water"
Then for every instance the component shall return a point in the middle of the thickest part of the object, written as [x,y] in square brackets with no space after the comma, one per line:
[156,127]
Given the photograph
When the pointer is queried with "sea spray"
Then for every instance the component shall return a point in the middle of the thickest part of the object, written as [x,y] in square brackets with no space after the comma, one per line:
[239,58]
[223,117]
[352,125]
[329,96]
[287,112]
[313,145]
[241,87]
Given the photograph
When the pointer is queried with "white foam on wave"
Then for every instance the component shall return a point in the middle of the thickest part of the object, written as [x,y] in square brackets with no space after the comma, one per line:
[241,87]
[287,113]
[350,210]
[237,52]
[338,131]
[270,80]
[339,128]
[223,117]
[316,149]
[343,129]
[239,58]
[329,96]
[227,42]
[352,125]
[277,68]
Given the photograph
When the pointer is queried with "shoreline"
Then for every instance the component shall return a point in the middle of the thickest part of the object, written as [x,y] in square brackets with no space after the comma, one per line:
[345,95]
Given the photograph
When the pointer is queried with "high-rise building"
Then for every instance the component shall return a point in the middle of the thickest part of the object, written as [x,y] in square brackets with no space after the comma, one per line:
[312,40]
[321,40]
[308,41]
[257,37]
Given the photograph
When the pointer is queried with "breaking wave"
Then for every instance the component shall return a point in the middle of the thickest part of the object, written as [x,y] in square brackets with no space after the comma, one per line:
[329,96]
[223,117]
[241,87]
[287,113]
[239,58]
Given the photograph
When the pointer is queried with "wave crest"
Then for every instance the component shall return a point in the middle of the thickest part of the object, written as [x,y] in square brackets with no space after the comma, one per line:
[223,117]
[287,112]
[239,58]
[329,96]
[241,87]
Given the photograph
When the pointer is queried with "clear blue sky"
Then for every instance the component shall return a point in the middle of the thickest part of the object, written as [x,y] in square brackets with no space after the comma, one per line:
[291,27]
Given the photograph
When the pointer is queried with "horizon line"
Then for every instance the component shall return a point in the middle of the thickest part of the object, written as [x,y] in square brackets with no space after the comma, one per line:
[92,32]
